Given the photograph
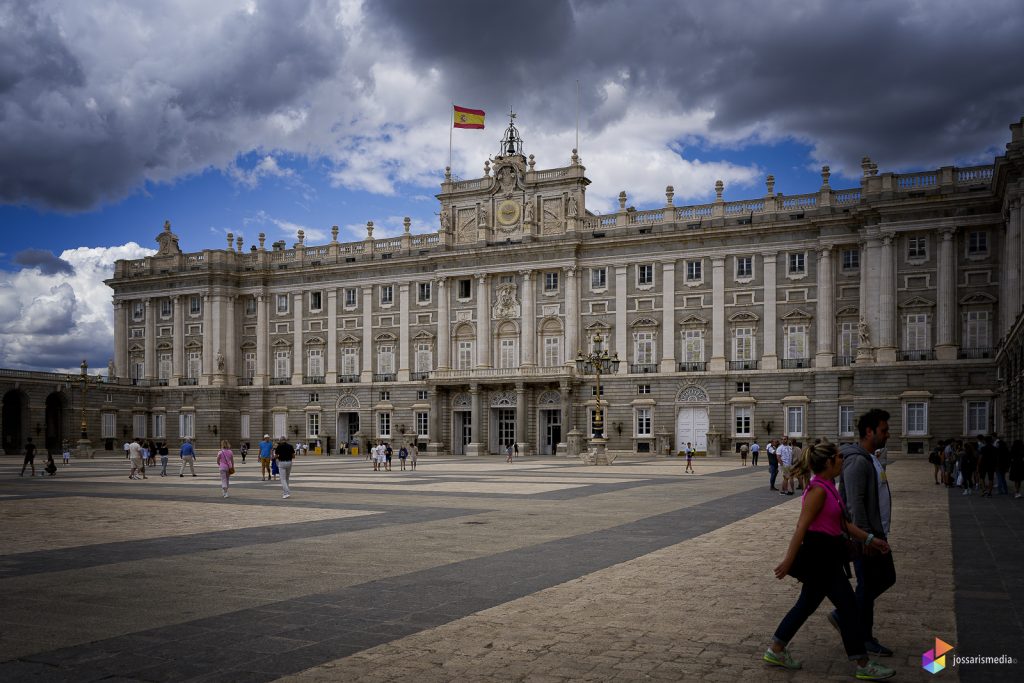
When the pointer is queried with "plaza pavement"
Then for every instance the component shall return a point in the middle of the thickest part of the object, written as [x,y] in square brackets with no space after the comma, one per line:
[464,570]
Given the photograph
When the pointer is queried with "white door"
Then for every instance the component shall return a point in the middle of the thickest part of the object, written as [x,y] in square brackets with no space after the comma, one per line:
[692,427]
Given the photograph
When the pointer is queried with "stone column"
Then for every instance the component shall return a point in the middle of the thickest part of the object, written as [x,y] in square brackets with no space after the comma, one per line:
[483,323]
[870,268]
[331,371]
[299,351]
[435,445]
[567,417]
[150,348]
[826,309]
[403,333]
[262,341]
[668,316]
[945,313]
[887,302]
[621,330]
[474,447]
[770,356]
[367,370]
[208,340]
[178,342]
[572,315]
[1010,292]
[121,338]
[218,338]
[444,343]
[230,343]
[529,320]
[718,314]
[521,419]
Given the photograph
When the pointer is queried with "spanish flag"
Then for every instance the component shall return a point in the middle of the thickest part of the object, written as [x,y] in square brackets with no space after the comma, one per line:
[468,118]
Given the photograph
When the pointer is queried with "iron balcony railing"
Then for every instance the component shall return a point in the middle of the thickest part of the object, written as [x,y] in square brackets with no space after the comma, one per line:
[844,360]
[188,381]
[313,379]
[975,353]
[419,376]
[795,363]
[280,381]
[914,354]
[640,368]
[743,365]
[348,379]
[693,366]
[384,377]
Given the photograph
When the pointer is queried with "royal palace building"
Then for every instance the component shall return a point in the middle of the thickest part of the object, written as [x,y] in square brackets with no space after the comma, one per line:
[733,321]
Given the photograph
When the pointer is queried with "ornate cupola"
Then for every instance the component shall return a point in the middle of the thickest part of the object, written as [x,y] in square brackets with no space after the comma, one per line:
[511,144]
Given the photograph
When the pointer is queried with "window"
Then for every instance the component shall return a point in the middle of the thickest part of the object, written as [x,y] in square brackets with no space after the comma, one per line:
[796,341]
[313,396]
[422,394]
[250,305]
[315,363]
[384,425]
[742,387]
[976,330]
[743,343]
[138,310]
[643,348]
[385,395]
[165,308]
[917,332]
[282,303]
[316,301]
[138,332]
[645,275]
[598,278]
[742,420]
[795,420]
[552,352]
[643,389]
[280,424]
[187,425]
[744,267]
[508,353]
[465,289]
[507,279]
[846,423]
[643,421]
[977,417]
[465,356]
[164,366]
[282,364]
[313,424]
[245,426]
[387,295]
[848,339]
[249,364]
[386,359]
[350,297]
[551,281]
[917,247]
[195,306]
[977,243]
[159,426]
[693,271]
[916,419]
[423,292]
[424,357]
[693,346]
[851,259]
[422,424]
[108,426]
[349,361]
[797,263]
[593,391]
[195,364]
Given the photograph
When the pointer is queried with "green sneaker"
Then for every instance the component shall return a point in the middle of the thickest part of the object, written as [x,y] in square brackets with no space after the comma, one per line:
[783,659]
[874,672]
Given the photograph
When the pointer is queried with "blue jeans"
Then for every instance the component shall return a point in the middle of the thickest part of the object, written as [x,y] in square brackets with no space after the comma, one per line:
[773,471]
[836,588]
[1001,483]
[875,575]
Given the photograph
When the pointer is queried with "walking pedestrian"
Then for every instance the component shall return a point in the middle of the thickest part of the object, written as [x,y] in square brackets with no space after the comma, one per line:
[127,450]
[135,457]
[987,466]
[403,453]
[744,449]
[935,458]
[164,455]
[414,452]
[865,490]
[146,453]
[754,451]
[508,453]
[1002,465]
[1017,466]
[245,449]
[284,454]
[188,457]
[815,556]
[784,453]
[266,450]
[226,465]
[30,457]
[773,464]
[66,449]
[688,451]
[387,456]
[515,449]
[968,462]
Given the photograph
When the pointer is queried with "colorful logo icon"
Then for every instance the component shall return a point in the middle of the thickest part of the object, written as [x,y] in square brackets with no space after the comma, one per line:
[934,661]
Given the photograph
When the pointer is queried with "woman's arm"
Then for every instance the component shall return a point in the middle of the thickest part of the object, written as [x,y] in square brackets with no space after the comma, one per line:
[814,500]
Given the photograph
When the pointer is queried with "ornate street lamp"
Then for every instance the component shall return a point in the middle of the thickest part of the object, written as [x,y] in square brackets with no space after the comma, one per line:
[598,363]
[84,446]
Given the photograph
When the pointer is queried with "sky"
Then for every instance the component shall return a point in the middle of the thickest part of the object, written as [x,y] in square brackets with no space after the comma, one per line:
[251,116]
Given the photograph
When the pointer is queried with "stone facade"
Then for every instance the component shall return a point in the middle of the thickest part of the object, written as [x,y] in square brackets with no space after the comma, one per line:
[734,320]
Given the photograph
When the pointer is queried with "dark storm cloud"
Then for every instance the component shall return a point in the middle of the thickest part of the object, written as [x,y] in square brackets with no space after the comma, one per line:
[45,261]
[78,130]
[907,83]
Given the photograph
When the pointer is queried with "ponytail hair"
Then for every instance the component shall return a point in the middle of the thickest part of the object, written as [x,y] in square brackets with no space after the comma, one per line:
[815,459]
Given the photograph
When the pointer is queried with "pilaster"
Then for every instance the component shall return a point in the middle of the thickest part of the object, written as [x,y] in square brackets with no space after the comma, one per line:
[367,370]
[621,330]
[572,315]
[230,341]
[121,338]
[178,342]
[825,313]
[403,332]
[529,319]
[208,340]
[770,358]
[521,419]
[886,352]
[444,343]
[331,371]
[668,316]
[474,447]
[262,340]
[1010,291]
[483,322]
[150,347]
[298,350]
[945,314]
[718,314]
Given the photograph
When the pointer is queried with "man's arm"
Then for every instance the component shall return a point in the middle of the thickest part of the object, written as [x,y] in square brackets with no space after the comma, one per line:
[855,486]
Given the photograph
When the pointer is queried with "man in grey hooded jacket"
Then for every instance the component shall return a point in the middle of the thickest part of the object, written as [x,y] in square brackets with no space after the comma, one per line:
[865,490]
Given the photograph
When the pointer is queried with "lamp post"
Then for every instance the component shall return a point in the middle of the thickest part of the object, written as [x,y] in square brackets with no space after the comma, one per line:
[84,446]
[598,363]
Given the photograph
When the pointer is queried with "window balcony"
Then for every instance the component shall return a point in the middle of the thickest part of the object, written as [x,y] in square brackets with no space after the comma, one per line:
[162,382]
[313,379]
[280,381]
[976,353]
[188,381]
[693,366]
[533,371]
[348,379]
[641,368]
[384,377]
[245,381]
[914,354]
[743,365]
[795,363]
[844,360]
[419,376]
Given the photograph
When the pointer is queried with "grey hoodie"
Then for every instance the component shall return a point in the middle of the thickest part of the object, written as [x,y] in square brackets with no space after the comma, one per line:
[859,489]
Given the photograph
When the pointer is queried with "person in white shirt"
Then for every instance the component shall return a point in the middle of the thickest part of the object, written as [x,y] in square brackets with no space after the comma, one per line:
[785,455]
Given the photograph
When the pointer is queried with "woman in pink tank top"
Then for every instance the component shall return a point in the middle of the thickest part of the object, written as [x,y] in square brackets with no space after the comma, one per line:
[817,557]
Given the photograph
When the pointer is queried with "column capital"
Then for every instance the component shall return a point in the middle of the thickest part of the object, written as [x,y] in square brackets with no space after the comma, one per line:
[480,277]
[825,250]
[771,254]
[441,281]
[947,233]
[148,301]
[718,262]
[887,238]
[403,287]
[367,289]
[570,270]
[620,269]
[669,264]
[527,274]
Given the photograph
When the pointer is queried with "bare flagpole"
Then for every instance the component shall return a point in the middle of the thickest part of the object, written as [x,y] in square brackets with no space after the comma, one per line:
[577,116]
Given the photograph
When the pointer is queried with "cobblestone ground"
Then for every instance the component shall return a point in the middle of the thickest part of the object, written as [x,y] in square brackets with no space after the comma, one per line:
[466,569]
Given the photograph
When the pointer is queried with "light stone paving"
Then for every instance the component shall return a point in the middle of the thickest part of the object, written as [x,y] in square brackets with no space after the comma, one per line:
[702,609]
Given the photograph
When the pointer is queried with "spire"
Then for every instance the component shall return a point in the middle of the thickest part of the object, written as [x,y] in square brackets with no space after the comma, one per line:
[511,144]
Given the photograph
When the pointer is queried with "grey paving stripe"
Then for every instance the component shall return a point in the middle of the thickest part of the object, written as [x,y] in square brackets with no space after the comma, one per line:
[65,559]
[314,629]
[988,555]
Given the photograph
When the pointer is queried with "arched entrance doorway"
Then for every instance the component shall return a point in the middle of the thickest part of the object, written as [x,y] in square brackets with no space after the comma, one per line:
[56,418]
[692,419]
[15,421]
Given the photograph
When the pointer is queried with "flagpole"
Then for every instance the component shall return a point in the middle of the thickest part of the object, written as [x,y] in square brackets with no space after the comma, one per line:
[450,127]
[577,116]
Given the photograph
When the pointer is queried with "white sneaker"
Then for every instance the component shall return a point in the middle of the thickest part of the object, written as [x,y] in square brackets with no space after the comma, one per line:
[287,495]
[225,494]
[1017,496]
